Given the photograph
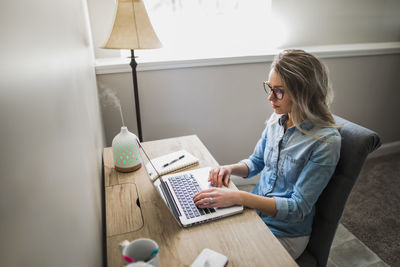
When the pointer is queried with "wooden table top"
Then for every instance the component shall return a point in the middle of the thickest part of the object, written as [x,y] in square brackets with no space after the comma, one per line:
[134,209]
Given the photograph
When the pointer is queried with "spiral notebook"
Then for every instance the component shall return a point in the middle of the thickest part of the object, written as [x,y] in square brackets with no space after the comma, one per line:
[172,163]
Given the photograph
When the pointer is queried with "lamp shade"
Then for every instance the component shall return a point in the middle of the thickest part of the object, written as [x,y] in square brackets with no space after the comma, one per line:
[132,28]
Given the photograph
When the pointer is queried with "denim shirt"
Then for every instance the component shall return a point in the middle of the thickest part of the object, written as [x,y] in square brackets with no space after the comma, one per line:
[295,168]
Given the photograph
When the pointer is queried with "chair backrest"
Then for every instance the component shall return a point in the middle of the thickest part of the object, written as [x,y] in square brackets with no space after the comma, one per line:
[357,143]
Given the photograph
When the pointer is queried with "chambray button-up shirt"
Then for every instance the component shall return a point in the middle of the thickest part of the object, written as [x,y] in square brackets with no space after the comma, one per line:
[295,168]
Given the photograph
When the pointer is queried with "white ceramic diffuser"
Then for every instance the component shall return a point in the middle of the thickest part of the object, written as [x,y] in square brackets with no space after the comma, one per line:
[126,151]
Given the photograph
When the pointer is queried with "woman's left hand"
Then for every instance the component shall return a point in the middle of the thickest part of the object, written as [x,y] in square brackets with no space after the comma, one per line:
[216,197]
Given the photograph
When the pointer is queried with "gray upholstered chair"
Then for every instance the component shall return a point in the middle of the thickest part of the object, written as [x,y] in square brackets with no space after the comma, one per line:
[357,143]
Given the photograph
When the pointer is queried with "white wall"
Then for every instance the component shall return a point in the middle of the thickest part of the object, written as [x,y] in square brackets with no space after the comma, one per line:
[101,13]
[51,137]
[226,105]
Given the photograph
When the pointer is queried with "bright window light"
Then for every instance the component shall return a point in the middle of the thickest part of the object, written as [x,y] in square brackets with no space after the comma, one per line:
[191,29]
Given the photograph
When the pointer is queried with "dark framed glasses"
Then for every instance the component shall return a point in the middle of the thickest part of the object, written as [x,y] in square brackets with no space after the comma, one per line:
[278,93]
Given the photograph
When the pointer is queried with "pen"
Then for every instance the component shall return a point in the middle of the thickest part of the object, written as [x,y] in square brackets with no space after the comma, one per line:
[175,160]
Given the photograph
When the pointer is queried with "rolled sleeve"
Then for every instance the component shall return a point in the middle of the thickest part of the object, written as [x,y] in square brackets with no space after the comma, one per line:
[251,166]
[282,208]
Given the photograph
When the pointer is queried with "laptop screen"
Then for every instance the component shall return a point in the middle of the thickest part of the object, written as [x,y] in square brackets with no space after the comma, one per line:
[157,183]
[151,170]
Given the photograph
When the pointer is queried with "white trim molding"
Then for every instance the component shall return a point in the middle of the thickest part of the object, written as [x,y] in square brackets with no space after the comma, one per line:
[386,149]
[121,65]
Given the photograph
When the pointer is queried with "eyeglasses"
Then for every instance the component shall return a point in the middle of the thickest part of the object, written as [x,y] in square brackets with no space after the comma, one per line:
[278,93]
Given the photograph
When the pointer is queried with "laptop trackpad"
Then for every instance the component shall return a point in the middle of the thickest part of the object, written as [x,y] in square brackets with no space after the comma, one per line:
[202,178]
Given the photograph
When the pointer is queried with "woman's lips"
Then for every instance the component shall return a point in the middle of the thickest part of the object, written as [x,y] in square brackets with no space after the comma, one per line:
[274,106]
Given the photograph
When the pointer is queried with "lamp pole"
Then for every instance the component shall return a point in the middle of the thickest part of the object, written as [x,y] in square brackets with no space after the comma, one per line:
[136,94]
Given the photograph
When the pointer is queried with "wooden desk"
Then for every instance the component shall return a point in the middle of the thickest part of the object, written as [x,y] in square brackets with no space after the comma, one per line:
[134,209]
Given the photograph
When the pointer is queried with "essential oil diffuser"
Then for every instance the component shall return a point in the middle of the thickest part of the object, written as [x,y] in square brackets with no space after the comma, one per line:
[126,151]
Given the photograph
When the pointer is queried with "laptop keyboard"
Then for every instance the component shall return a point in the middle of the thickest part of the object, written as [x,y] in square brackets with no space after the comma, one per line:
[185,187]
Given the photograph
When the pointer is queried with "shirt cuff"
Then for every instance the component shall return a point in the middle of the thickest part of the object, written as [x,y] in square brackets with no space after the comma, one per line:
[282,208]
[251,167]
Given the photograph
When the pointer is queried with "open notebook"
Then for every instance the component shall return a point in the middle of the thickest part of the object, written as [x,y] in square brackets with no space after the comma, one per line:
[172,162]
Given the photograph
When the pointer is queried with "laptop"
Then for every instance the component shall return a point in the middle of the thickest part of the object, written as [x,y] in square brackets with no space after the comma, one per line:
[177,191]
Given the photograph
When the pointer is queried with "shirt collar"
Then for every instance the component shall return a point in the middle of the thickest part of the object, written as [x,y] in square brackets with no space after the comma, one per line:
[305,125]
[282,120]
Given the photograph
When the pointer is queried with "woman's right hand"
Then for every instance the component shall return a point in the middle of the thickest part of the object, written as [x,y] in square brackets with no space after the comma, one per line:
[220,175]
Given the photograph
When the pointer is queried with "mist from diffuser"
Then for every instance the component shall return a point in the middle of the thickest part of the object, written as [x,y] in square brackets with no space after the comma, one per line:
[125,144]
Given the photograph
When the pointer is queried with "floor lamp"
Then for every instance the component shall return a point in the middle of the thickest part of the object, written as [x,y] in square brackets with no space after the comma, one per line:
[132,30]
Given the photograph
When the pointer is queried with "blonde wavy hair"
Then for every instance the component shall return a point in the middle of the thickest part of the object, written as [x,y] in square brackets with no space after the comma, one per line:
[306,80]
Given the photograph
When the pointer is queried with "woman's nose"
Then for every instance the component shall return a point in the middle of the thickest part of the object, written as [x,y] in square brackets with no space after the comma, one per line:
[271,96]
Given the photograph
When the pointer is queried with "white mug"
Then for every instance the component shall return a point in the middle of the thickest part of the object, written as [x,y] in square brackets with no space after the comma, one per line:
[141,250]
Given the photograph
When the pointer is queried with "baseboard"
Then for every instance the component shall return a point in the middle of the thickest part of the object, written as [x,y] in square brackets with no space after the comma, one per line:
[386,149]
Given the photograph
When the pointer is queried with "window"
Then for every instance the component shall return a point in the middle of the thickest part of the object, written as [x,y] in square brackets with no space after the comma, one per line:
[212,28]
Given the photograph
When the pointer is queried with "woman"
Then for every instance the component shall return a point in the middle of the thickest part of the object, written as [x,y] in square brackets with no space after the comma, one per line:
[296,154]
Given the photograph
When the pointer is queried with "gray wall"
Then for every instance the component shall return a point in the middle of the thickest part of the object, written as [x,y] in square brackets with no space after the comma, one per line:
[227,107]
[51,136]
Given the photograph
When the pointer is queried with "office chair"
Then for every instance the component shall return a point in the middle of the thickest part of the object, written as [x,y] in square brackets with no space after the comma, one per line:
[357,143]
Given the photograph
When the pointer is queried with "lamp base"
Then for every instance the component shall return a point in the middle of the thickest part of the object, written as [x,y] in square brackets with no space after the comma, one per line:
[131,169]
